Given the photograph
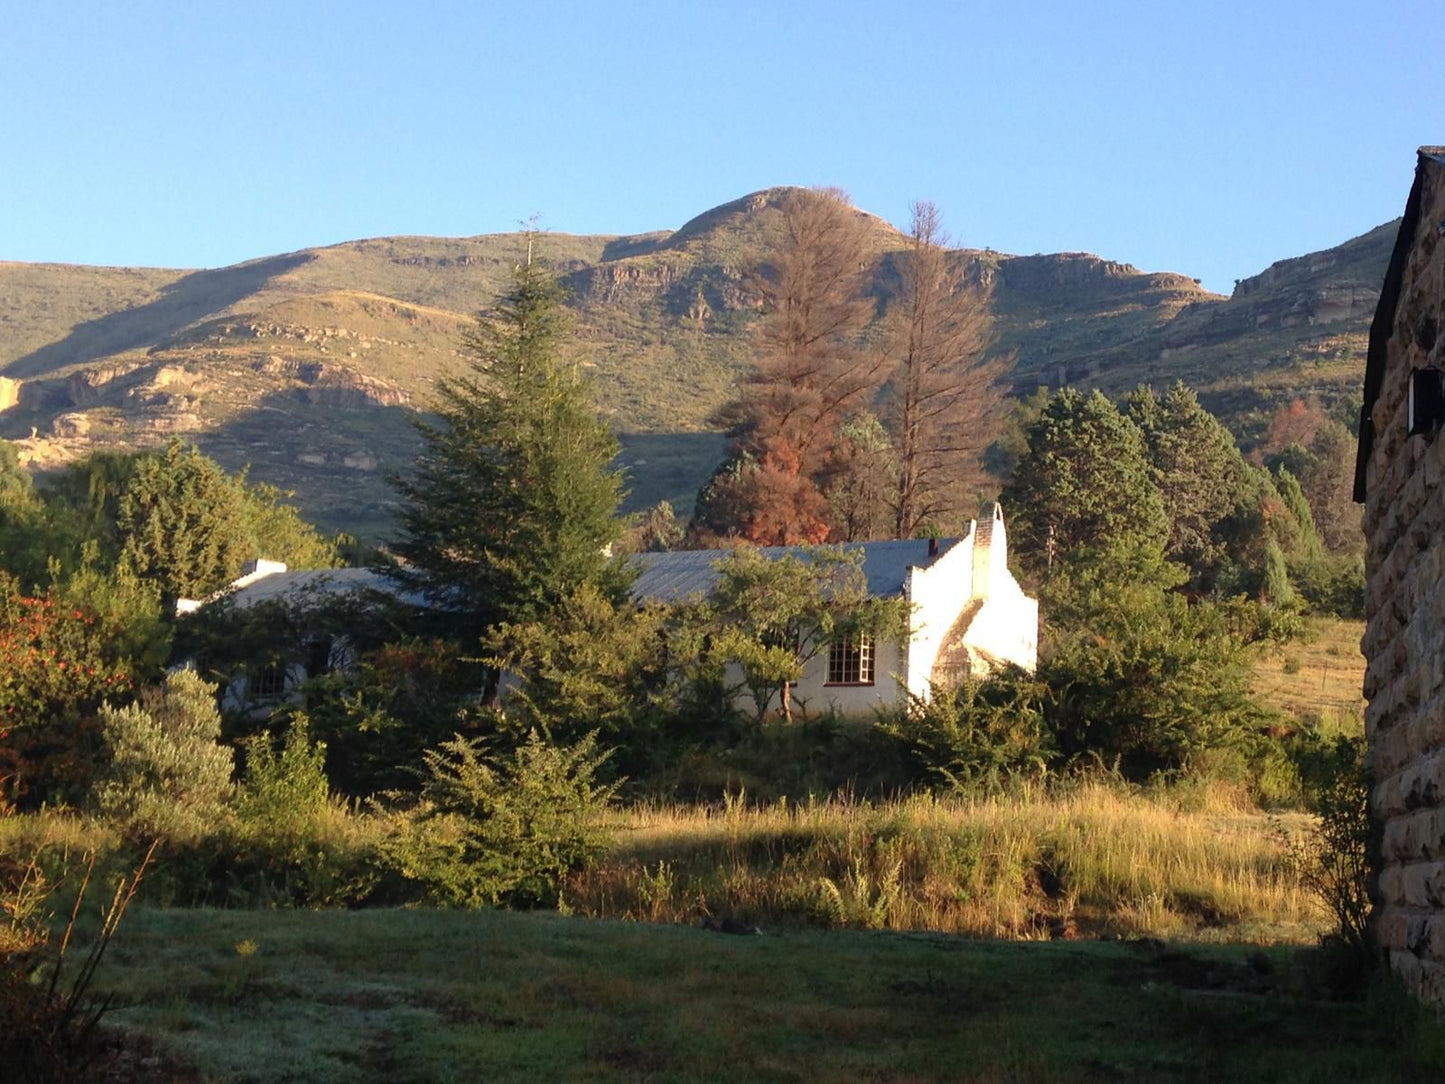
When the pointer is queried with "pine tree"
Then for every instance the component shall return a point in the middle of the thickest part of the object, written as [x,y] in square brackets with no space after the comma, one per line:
[1084,489]
[512,505]
[810,377]
[181,523]
[1199,471]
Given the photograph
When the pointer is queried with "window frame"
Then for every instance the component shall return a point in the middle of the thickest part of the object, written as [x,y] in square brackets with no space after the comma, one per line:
[852,655]
[268,682]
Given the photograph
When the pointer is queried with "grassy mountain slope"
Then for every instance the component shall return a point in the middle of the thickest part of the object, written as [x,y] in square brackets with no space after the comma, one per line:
[308,365]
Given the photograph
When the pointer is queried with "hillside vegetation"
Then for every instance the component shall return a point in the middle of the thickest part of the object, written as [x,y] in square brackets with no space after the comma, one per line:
[308,365]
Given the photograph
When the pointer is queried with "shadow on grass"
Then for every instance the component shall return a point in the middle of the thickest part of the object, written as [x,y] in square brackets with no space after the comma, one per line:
[447,995]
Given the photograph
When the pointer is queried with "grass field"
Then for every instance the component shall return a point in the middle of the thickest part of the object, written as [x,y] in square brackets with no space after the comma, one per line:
[412,996]
[1092,860]
[1321,677]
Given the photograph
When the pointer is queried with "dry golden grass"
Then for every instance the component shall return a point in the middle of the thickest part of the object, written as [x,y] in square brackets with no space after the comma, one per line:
[1093,859]
[1320,678]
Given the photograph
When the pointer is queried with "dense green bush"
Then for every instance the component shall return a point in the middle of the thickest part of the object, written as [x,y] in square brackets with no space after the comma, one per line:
[284,794]
[1334,861]
[164,772]
[979,732]
[239,863]
[792,761]
[1145,678]
[378,717]
[591,665]
[491,830]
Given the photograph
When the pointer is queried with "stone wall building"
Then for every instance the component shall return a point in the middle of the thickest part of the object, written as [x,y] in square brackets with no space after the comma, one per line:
[1399,477]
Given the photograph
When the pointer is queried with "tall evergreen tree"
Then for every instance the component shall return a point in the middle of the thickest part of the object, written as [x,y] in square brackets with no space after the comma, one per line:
[1085,488]
[512,504]
[1199,470]
[181,524]
[27,535]
[810,377]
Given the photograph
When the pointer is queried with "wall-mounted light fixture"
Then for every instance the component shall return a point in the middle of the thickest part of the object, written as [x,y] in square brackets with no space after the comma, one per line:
[1427,402]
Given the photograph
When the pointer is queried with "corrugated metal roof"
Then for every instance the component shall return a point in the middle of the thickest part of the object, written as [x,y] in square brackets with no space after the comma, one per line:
[661,577]
[327,581]
[671,577]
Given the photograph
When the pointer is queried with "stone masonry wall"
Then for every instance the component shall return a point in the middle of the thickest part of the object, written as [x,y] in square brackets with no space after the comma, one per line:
[1405,636]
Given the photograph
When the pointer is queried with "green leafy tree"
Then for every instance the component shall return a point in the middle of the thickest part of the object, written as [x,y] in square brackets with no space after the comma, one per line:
[1146,678]
[1084,489]
[176,519]
[86,496]
[165,771]
[1320,451]
[503,830]
[1198,470]
[181,523]
[378,716]
[29,535]
[512,504]
[772,616]
[590,666]
[276,531]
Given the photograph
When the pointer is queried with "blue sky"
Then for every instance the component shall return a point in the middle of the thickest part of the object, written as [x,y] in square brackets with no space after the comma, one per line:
[1210,139]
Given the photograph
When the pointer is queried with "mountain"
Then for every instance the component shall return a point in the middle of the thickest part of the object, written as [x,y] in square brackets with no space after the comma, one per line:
[309,365]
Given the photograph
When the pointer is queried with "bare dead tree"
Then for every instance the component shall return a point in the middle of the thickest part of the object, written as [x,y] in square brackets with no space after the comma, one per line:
[945,392]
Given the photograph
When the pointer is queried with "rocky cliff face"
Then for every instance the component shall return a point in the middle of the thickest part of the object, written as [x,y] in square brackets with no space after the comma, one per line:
[307,365]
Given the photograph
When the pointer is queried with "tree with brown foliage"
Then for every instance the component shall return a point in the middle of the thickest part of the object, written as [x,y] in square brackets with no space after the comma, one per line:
[1320,452]
[811,374]
[945,394]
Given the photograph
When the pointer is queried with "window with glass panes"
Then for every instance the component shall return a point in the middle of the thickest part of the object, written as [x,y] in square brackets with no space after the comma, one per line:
[850,662]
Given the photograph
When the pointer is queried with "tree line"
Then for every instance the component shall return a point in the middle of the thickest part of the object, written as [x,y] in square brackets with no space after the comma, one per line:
[861,419]
[1162,555]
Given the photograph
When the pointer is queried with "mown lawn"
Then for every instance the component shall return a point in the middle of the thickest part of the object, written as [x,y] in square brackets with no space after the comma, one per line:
[403,996]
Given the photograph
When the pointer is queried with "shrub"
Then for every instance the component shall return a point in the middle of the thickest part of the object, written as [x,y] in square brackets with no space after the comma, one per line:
[284,794]
[61,655]
[827,755]
[979,731]
[1148,679]
[378,717]
[492,831]
[165,772]
[1334,861]
[48,1017]
[595,661]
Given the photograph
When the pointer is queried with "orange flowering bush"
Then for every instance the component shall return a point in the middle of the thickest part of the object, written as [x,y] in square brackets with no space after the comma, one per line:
[58,662]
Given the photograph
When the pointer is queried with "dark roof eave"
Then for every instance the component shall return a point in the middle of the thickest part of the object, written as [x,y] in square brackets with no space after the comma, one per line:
[1383,324]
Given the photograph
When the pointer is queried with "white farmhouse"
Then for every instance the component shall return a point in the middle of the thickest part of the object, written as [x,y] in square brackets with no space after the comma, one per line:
[969,615]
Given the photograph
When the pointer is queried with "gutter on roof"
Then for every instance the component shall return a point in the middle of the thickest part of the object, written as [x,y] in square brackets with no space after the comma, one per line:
[1383,325]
